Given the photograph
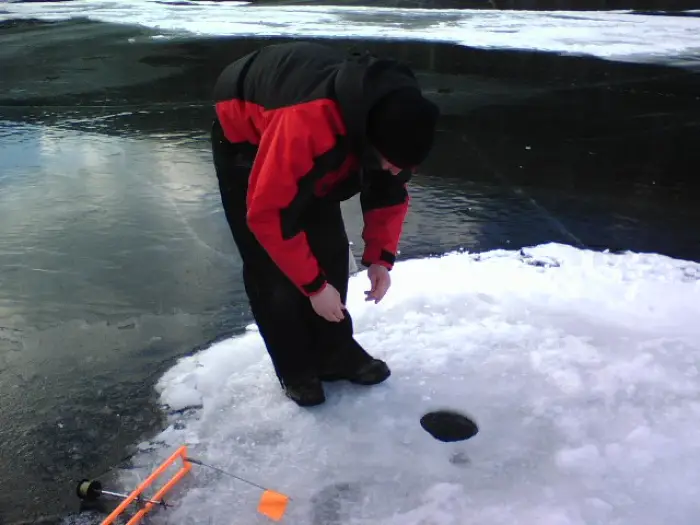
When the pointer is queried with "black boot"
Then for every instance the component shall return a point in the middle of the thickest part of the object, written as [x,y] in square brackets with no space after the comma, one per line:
[354,364]
[371,373]
[305,392]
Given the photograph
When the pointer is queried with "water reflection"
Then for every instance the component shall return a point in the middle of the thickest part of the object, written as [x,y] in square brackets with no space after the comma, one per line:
[114,261]
[83,214]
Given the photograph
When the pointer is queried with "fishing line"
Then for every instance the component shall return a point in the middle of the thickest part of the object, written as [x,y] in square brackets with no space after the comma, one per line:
[217,469]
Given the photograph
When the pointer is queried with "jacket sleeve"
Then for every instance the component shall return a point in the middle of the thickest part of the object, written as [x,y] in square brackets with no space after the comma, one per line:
[295,150]
[384,200]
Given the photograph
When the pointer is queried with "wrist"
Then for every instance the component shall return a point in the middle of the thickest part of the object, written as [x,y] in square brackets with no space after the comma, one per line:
[316,292]
[379,256]
[381,264]
[315,286]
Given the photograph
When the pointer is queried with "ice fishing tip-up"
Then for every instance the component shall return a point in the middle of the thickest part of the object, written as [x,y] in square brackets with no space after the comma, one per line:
[271,504]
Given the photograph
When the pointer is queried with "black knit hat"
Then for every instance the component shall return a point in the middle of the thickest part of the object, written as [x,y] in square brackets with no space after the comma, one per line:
[401,127]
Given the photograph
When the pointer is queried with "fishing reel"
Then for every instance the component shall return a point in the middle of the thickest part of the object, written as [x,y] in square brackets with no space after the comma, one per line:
[89,490]
[90,493]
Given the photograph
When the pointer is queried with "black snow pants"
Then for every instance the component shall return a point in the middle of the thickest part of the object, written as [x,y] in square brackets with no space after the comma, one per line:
[300,343]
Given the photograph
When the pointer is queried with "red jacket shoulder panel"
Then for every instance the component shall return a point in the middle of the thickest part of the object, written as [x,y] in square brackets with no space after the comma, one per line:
[299,145]
[241,121]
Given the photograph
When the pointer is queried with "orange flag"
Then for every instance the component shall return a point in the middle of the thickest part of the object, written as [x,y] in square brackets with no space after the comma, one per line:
[273,505]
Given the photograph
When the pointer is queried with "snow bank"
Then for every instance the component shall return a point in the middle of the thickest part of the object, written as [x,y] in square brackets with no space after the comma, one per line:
[580,367]
[616,35]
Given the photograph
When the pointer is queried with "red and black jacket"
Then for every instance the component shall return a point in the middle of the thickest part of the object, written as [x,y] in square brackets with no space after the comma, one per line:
[303,106]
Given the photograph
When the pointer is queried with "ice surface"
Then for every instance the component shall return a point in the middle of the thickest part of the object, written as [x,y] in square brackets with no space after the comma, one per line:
[617,35]
[580,367]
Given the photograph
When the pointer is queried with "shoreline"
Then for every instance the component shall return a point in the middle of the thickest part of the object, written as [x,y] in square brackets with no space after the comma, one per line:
[127,63]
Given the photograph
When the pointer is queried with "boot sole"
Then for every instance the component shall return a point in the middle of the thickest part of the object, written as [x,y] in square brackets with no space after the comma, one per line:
[308,403]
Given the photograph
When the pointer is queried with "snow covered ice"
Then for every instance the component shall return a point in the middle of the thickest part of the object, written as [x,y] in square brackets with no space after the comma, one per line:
[580,367]
[617,35]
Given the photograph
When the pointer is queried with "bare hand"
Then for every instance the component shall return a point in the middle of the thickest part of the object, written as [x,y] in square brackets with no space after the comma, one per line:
[381,281]
[328,305]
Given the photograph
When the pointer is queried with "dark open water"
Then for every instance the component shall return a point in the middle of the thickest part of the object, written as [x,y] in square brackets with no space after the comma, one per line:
[114,253]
